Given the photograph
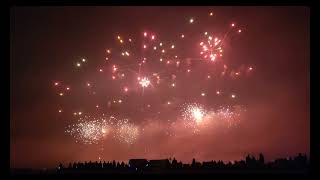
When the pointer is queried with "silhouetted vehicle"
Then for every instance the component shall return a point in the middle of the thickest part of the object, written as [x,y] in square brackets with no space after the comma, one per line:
[138,164]
[158,165]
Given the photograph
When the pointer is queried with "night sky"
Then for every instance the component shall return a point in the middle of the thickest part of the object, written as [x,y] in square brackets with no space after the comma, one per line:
[253,98]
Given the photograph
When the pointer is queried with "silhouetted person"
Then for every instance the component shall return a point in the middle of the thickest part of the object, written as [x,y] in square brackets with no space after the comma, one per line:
[60,167]
[248,159]
[229,165]
[74,166]
[113,164]
[300,161]
[261,159]
[79,165]
[193,164]
[260,162]
[174,163]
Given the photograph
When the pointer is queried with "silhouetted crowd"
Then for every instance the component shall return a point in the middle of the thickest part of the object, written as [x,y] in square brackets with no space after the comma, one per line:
[299,162]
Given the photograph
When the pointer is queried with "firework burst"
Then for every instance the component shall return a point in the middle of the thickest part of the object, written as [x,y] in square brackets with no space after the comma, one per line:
[229,115]
[126,132]
[193,115]
[89,131]
[211,48]
[145,82]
